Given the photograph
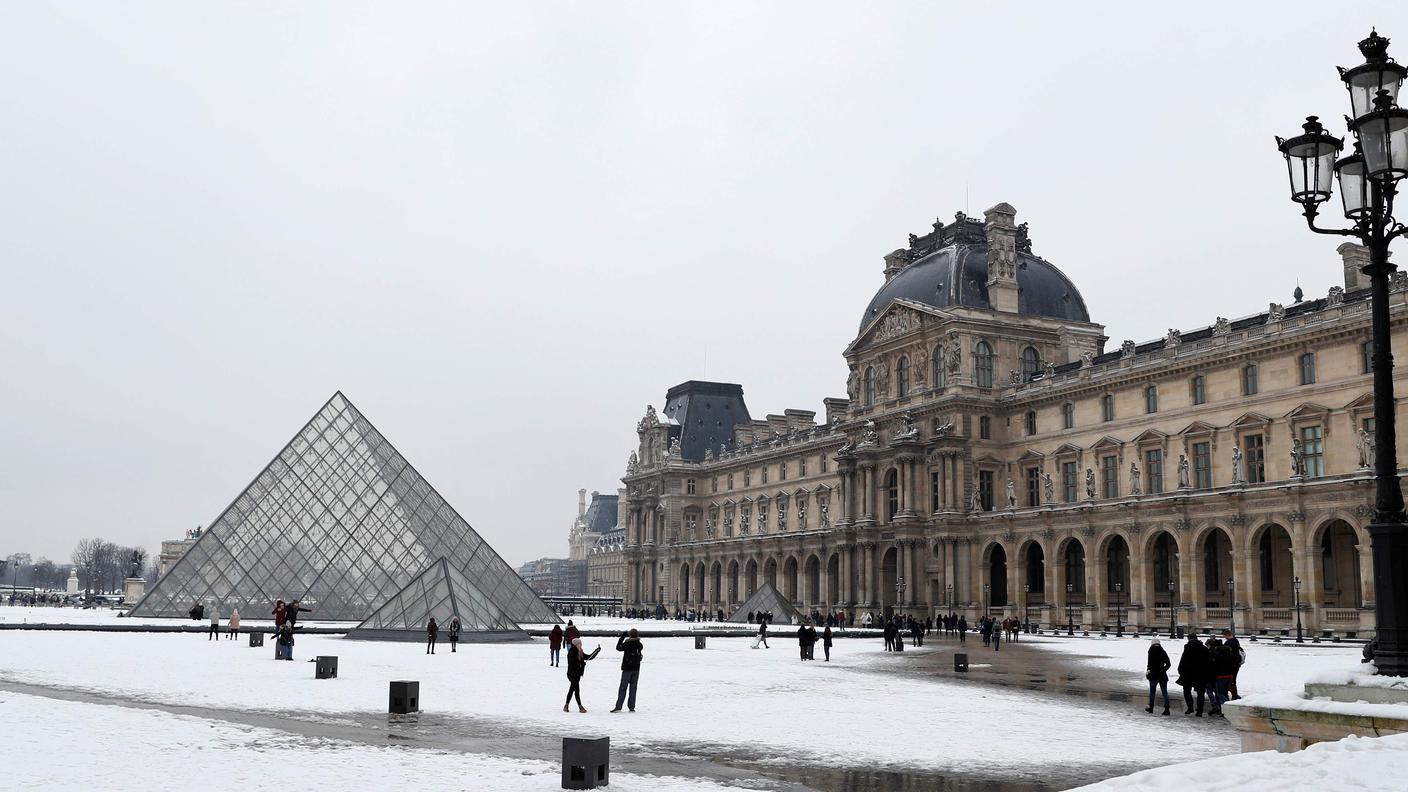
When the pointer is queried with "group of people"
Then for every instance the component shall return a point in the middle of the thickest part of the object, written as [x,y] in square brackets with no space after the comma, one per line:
[994,632]
[231,632]
[432,632]
[1207,672]
[285,622]
[807,638]
[628,644]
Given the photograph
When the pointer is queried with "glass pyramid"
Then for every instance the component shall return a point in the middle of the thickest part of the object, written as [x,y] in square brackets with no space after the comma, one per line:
[440,591]
[768,598]
[341,522]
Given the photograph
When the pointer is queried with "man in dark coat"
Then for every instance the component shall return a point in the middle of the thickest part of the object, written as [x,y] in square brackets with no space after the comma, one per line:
[432,630]
[291,613]
[1157,673]
[963,629]
[629,645]
[826,643]
[802,640]
[1194,669]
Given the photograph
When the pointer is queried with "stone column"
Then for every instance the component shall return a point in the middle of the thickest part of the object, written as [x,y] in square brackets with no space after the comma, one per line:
[1366,575]
[843,569]
[867,510]
[1141,584]
[905,566]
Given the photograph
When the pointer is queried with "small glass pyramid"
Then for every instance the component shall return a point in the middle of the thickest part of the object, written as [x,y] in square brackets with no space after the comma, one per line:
[340,521]
[443,592]
[768,598]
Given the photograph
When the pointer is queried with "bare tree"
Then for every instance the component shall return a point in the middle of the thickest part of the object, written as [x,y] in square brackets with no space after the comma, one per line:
[87,555]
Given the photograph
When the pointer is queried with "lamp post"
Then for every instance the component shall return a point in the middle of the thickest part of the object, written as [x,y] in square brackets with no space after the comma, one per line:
[1172,613]
[1027,602]
[1231,608]
[1299,637]
[1070,622]
[1119,614]
[949,587]
[986,599]
[1368,183]
[899,594]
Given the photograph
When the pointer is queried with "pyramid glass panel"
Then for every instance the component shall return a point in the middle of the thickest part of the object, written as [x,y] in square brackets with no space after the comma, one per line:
[341,522]
[443,592]
[768,598]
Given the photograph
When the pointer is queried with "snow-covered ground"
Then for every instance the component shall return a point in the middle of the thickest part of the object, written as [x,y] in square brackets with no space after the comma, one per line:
[61,746]
[1270,667]
[109,616]
[1354,764]
[727,698]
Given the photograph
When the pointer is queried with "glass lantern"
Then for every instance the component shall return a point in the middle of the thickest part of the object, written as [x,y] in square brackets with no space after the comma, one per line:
[1377,73]
[1383,139]
[1310,161]
[1354,188]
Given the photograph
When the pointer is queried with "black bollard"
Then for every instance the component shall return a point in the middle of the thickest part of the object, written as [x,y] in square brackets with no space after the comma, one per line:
[586,763]
[326,667]
[256,638]
[405,697]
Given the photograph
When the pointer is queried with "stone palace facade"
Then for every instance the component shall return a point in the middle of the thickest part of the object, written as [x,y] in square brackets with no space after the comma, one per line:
[991,455]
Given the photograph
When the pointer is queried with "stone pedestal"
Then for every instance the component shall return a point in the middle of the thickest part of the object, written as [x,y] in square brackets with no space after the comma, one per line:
[133,589]
[1329,710]
[72,586]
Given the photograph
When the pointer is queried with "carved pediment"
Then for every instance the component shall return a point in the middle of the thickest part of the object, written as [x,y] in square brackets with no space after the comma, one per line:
[1032,456]
[1108,442]
[1198,428]
[1365,402]
[1150,436]
[900,318]
[1308,410]
[1066,449]
[1251,419]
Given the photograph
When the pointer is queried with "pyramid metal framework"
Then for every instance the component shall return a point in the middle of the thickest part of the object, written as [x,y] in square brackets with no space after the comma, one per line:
[768,598]
[340,521]
[442,592]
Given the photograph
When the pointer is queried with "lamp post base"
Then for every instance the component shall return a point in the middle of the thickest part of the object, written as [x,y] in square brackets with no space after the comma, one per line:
[1389,542]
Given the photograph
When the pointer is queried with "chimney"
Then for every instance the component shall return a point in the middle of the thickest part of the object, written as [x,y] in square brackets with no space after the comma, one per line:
[801,420]
[581,502]
[1001,231]
[835,408]
[1355,257]
[895,262]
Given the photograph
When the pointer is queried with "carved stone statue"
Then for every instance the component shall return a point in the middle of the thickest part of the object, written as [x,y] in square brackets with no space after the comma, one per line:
[943,429]
[1183,472]
[1087,359]
[1221,327]
[1134,480]
[650,420]
[709,528]
[870,434]
[1048,489]
[977,500]
[955,353]
[1336,296]
[1011,494]
[1127,349]
[781,515]
[825,508]
[633,464]
[1173,339]
[1015,377]
[907,430]
[882,380]
[1276,313]
[674,447]
[1366,449]
[801,514]
[1089,484]
[1050,369]
[1236,465]
[1297,459]
[853,385]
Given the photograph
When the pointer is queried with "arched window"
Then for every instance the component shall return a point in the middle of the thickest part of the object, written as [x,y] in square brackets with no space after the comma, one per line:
[892,487]
[1031,364]
[1151,399]
[869,386]
[902,376]
[982,365]
[939,368]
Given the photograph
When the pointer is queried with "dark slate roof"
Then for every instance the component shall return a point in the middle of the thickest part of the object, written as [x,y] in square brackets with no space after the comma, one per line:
[706,413]
[956,275]
[601,514]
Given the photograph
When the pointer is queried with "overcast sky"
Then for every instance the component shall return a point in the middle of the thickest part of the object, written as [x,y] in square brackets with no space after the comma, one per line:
[503,229]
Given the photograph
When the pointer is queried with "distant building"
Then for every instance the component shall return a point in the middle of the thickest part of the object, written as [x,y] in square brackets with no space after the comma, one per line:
[173,549]
[554,577]
[598,540]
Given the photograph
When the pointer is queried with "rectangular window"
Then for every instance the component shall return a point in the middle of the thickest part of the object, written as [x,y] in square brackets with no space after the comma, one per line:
[715,487]
[985,428]
[985,489]
[1107,407]
[1154,470]
[1249,385]
[689,486]
[1366,355]
[764,472]
[1033,487]
[1202,465]
[1068,481]
[1312,445]
[1031,422]
[1068,416]
[802,467]
[1151,399]
[1255,458]
[781,471]
[1307,368]
[1110,476]
[824,463]
[934,489]
[730,481]
[748,478]
[1199,389]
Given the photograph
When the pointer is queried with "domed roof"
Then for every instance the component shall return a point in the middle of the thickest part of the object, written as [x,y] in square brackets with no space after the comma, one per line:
[956,274]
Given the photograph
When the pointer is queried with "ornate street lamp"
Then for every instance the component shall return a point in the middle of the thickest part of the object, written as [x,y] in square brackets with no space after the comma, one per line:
[1368,183]
[899,594]
[1119,614]
[1231,608]
[1299,637]
[1070,622]
[1027,603]
[986,599]
[1172,613]
[950,597]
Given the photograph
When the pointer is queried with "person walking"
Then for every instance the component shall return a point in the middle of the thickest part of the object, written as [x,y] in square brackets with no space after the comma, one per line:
[1193,669]
[1224,668]
[577,659]
[291,612]
[826,643]
[555,645]
[571,633]
[1157,673]
[802,640]
[629,644]
[763,633]
[454,634]
[432,630]
[234,624]
[1239,654]
[214,634]
[995,637]
[963,629]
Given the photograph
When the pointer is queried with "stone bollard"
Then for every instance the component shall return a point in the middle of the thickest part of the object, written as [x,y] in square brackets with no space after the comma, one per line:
[960,662]
[586,762]
[326,668]
[405,697]
[699,641]
[256,638]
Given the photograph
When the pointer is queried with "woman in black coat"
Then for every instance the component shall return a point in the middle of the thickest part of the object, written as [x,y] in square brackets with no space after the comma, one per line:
[576,667]
[1157,674]
[1194,670]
